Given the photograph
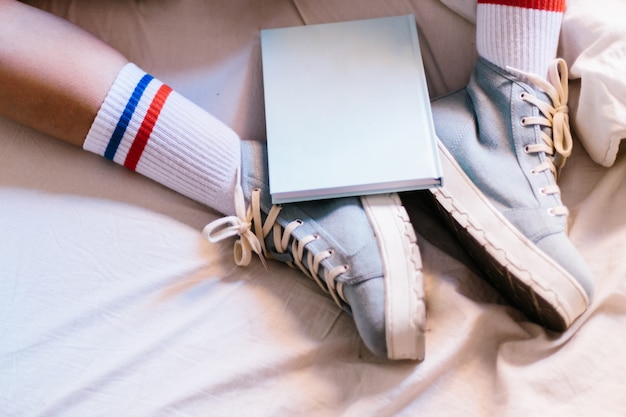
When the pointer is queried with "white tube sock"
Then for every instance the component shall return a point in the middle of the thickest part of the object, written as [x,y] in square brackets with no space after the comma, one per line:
[149,128]
[523,34]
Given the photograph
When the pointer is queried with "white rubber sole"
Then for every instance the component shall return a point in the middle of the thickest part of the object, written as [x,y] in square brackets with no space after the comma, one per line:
[405,309]
[539,286]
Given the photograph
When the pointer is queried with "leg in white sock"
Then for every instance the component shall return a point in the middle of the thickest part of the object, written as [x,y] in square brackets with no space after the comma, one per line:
[522,34]
[149,128]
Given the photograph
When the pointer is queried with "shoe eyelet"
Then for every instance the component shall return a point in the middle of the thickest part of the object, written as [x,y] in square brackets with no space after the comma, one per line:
[299,221]
[331,252]
[527,149]
[522,95]
[551,212]
[542,191]
[534,171]
[316,236]
[522,122]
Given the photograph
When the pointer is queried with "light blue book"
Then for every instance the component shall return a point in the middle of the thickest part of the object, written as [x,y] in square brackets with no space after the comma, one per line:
[347,110]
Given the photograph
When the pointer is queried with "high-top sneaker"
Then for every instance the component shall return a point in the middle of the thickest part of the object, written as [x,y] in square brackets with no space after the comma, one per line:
[362,251]
[502,144]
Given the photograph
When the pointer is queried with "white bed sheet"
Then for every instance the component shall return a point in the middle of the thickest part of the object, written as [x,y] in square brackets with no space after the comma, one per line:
[111,303]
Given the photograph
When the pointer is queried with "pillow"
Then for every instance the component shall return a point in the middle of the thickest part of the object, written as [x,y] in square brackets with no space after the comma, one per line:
[593,42]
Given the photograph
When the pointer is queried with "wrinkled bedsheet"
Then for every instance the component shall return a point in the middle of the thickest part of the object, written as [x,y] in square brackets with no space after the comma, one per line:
[112,304]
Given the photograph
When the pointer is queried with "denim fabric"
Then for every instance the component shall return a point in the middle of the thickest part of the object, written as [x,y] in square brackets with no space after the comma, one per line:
[481,127]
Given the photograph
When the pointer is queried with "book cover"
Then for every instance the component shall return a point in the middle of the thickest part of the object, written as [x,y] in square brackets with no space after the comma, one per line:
[347,110]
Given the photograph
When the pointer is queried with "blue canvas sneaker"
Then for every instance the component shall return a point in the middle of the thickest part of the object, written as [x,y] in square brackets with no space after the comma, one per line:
[361,251]
[502,144]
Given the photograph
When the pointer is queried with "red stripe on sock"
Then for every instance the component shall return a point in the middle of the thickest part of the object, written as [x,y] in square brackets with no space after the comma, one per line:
[145,130]
[547,5]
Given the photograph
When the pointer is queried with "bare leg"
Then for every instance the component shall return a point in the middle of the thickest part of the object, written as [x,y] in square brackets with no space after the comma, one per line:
[56,77]
[53,75]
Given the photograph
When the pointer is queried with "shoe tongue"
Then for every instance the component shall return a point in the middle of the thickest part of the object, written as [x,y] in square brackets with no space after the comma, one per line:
[254,171]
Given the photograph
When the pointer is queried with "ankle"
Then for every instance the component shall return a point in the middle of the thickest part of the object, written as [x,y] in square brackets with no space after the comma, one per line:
[520,34]
[147,127]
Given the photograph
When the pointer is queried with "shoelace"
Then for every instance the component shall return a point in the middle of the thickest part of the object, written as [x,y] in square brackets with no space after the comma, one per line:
[557,147]
[248,224]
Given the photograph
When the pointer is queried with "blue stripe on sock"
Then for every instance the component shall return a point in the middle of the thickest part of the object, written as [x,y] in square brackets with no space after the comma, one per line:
[127,115]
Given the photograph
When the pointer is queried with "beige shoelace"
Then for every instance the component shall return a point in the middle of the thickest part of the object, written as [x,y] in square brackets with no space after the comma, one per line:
[252,240]
[558,147]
